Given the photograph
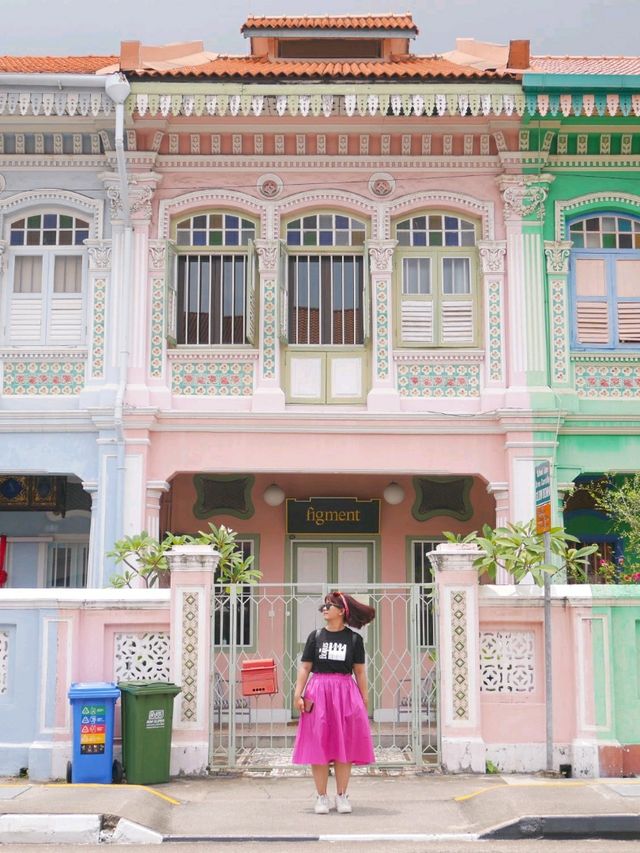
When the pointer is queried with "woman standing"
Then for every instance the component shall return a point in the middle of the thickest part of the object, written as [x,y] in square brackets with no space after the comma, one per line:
[334,724]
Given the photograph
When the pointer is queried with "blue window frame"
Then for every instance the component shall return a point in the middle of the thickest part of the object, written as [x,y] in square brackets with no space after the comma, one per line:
[605,282]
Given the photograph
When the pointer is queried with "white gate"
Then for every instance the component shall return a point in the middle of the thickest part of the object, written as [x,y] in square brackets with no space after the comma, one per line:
[264,621]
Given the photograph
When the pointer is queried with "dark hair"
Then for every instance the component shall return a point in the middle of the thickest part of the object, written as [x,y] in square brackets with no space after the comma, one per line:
[356,614]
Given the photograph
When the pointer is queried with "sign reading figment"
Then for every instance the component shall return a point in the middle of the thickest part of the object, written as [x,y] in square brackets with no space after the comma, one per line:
[333,515]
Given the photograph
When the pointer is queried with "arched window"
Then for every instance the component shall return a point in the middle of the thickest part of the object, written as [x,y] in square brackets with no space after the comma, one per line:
[46,295]
[437,281]
[325,271]
[215,279]
[605,281]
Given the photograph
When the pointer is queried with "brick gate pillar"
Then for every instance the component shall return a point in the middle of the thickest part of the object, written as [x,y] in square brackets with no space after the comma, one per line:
[192,571]
[463,748]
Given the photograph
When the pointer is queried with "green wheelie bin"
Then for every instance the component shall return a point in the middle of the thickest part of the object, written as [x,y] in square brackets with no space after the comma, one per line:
[147,715]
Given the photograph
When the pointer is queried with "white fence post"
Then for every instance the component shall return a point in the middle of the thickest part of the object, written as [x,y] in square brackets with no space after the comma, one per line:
[192,572]
[463,748]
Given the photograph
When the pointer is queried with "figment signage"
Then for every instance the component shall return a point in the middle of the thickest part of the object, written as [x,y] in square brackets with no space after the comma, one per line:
[333,515]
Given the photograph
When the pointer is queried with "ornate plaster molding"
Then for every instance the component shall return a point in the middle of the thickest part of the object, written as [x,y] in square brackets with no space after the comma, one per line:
[99,252]
[351,202]
[492,255]
[381,255]
[557,254]
[565,210]
[268,252]
[524,195]
[210,198]
[484,210]
[157,255]
[270,186]
[382,184]
[92,208]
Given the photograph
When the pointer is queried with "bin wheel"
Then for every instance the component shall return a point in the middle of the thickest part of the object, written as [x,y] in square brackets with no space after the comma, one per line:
[117,774]
[68,771]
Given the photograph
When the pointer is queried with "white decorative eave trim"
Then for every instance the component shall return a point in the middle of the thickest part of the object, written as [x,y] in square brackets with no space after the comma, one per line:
[327,103]
[55,103]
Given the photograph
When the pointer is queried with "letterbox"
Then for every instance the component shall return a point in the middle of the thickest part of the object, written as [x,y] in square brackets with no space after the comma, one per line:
[258,677]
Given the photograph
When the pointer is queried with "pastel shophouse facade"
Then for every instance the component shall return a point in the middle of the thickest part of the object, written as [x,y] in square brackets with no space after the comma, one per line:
[301,292]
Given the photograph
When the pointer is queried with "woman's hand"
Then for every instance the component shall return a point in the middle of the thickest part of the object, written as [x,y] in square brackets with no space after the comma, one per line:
[299,703]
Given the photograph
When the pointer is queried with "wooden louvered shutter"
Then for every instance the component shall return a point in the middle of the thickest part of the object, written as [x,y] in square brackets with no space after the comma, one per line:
[592,307]
[26,306]
[628,291]
[416,302]
[66,319]
[457,326]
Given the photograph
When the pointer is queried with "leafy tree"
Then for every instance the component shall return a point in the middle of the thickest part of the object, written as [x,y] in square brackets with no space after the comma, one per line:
[520,551]
[618,497]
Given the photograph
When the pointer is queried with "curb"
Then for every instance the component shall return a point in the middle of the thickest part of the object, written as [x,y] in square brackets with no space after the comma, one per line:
[50,828]
[620,827]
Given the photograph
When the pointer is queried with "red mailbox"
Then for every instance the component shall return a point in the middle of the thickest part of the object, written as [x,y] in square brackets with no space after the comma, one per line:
[258,677]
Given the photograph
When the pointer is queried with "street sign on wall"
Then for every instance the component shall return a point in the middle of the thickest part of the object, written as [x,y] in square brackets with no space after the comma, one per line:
[543,497]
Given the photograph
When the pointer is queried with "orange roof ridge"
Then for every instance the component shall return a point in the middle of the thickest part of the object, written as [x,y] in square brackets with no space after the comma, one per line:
[383,20]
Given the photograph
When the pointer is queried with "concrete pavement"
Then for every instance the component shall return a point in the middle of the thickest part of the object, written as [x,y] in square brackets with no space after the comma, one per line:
[385,807]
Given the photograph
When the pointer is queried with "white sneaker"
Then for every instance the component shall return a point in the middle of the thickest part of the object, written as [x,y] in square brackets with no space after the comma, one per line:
[343,806]
[322,804]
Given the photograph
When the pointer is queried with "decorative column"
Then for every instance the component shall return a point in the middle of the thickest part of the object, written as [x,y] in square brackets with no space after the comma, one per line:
[192,571]
[463,748]
[383,396]
[492,254]
[524,199]
[500,491]
[268,394]
[95,558]
[155,490]
[557,255]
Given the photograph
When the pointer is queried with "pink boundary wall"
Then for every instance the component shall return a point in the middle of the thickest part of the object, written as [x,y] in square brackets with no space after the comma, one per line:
[507,728]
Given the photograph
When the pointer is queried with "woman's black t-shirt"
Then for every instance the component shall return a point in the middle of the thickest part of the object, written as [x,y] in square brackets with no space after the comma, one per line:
[333,651]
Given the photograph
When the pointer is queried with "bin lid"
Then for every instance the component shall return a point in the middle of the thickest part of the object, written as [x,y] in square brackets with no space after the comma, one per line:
[93,690]
[146,688]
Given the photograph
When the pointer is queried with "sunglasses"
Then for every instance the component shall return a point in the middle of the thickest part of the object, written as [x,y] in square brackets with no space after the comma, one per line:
[327,606]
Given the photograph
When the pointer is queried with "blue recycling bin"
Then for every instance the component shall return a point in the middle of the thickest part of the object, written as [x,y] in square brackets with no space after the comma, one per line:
[92,707]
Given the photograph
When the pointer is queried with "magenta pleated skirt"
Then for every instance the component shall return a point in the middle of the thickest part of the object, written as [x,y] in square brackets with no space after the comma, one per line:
[338,727]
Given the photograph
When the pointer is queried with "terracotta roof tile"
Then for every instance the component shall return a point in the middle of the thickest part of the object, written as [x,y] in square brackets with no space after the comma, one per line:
[261,68]
[332,22]
[54,64]
[586,64]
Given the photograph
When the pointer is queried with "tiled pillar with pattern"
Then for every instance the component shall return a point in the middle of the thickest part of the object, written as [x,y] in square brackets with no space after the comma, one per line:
[383,396]
[268,395]
[557,255]
[192,570]
[463,748]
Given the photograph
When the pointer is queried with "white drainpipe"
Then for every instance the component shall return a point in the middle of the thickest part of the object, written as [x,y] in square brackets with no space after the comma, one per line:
[117,88]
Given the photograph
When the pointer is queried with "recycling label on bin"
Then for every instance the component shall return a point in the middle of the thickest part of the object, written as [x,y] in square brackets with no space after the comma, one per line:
[93,730]
[155,719]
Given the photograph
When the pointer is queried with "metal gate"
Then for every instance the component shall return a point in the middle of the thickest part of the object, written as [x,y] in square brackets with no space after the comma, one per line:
[273,621]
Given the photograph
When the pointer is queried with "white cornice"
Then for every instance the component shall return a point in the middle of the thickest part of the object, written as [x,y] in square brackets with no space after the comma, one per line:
[52,161]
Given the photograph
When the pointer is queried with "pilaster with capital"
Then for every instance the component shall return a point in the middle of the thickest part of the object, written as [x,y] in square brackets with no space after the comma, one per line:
[99,253]
[383,395]
[268,395]
[492,258]
[524,198]
[155,490]
[557,255]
